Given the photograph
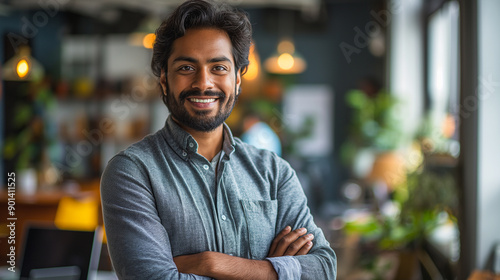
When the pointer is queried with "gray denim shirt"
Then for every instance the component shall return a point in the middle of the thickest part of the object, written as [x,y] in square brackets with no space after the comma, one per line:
[161,199]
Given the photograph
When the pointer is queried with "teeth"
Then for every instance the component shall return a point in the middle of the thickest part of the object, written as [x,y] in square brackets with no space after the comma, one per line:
[204,100]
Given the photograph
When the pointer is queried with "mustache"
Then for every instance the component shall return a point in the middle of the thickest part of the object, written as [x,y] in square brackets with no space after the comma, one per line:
[195,92]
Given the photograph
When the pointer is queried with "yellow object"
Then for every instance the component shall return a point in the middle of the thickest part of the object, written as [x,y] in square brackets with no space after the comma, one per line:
[286,60]
[83,87]
[253,66]
[149,40]
[22,68]
[77,214]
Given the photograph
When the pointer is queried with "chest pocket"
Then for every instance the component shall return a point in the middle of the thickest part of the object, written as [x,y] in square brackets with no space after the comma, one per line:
[261,221]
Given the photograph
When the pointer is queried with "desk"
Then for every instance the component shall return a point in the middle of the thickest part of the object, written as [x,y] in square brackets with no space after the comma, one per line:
[40,207]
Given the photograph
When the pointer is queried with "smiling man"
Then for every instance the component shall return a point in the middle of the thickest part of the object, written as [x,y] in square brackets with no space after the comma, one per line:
[193,202]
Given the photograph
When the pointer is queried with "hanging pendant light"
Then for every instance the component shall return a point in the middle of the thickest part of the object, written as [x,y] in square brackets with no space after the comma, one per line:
[22,67]
[286,60]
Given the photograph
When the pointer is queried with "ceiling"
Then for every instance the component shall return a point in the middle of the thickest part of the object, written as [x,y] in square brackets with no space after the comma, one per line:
[108,9]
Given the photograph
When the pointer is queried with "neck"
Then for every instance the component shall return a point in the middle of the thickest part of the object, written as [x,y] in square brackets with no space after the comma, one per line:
[209,143]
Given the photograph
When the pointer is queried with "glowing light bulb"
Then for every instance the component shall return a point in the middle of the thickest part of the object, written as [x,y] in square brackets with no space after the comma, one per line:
[285,61]
[149,40]
[22,68]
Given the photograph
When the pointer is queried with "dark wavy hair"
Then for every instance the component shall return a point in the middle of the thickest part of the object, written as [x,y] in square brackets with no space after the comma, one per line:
[203,14]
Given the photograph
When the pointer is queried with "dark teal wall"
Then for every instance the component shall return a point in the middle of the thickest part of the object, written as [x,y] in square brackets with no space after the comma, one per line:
[319,43]
[42,30]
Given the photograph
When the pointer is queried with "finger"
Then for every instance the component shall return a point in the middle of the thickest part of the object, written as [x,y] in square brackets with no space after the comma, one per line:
[297,245]
[305,249]
[284,232]
[287,240]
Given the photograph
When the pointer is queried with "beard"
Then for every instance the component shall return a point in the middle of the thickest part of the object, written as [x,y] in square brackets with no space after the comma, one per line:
[200,121]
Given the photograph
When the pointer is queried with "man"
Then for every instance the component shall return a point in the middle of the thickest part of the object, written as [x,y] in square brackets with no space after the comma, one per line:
[259,134]
[191,201]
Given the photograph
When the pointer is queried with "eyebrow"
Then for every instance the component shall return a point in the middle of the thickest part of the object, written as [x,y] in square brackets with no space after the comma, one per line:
[185,58]
[193,60]
[219,59]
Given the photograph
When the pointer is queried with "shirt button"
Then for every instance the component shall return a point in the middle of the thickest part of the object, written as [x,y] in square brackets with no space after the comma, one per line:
[223,217]
[191,145]
[184,153]
[205,166]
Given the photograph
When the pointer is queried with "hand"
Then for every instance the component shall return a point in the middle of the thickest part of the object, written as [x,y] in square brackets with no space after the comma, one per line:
[291,243]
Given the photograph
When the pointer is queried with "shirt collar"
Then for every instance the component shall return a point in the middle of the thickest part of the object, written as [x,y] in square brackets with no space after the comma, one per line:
[184,144]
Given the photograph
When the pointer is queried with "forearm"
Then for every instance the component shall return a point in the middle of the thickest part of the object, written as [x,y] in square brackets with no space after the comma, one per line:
[221,266]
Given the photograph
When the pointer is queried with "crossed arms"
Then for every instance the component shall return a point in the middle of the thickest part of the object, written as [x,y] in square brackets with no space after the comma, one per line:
[140,246]
[221,266]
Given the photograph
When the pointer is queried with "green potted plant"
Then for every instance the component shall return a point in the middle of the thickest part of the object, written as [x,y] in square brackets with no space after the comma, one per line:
[27,147]
[374,134]
[424,202]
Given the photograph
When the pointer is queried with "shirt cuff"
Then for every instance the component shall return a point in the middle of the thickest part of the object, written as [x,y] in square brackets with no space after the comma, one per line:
[286,267]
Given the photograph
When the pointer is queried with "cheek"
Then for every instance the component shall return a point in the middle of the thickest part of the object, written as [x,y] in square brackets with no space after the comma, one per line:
[177,82]
[228,85]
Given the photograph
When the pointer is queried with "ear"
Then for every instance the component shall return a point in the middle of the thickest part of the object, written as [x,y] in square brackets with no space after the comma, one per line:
[163,81]
[238,82]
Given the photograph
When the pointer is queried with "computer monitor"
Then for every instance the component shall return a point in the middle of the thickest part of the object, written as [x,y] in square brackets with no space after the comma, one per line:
[52,253]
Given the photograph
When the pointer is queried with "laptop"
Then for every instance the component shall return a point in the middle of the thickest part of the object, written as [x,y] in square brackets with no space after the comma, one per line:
[56,254]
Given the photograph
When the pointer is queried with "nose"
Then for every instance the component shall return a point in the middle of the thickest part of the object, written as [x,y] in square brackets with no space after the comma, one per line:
[203,80]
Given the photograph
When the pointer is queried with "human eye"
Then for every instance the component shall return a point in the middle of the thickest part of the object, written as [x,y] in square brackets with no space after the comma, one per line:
[220,68]
[185,68]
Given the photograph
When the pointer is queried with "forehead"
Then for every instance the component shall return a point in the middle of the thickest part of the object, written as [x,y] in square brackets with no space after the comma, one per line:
[202,44]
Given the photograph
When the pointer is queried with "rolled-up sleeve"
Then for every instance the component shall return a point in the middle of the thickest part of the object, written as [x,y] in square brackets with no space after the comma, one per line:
[286,267]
